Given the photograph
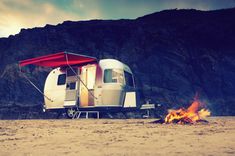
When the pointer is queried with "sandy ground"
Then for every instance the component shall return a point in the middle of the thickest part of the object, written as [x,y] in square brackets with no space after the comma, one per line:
[116,137]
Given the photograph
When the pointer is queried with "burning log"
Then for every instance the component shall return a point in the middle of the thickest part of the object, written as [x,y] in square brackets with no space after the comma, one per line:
[190,115]
[187,116]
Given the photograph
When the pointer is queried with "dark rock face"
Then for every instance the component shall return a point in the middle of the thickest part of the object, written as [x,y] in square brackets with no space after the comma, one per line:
[173,54]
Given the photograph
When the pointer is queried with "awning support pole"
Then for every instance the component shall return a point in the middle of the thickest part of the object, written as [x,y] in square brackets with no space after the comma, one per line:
[35,86]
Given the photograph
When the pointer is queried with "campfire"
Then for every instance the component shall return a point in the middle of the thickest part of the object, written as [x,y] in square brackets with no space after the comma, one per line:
[188,116]
[193,114]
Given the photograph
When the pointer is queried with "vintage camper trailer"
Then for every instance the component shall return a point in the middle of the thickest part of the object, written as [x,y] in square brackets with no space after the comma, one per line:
[80,83]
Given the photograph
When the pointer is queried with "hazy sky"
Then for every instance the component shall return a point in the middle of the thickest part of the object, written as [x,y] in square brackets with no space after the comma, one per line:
[17,14]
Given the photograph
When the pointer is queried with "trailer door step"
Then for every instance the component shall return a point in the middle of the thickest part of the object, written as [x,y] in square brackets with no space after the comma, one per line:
[78,114]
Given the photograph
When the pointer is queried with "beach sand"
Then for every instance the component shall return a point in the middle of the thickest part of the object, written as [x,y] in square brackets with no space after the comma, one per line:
[116,137]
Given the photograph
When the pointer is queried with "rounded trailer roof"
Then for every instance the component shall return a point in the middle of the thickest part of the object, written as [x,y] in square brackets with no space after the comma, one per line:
[113,64]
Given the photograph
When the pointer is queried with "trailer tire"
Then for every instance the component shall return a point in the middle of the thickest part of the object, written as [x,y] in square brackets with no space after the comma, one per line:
[70,112]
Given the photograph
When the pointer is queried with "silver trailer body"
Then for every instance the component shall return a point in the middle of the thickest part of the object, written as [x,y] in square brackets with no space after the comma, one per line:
[107,84]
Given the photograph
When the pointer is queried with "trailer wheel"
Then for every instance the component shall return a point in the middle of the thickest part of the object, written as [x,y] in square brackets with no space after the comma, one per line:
[70,112]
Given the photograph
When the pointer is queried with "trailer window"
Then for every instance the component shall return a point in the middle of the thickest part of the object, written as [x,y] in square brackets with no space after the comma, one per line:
[61,79]
[129,79]
[113,76]
[71,86]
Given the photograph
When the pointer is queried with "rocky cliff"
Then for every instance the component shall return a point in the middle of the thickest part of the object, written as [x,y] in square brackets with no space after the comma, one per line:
[173,54]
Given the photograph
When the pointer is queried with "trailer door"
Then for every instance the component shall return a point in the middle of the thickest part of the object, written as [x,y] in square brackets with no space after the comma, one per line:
[87,84]
[72,87]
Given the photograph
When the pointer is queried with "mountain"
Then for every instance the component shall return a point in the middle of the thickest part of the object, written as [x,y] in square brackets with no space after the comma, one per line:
[174,54]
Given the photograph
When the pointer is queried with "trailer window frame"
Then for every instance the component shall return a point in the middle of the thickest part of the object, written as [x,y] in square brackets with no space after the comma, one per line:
[61,80]
[129,79]
[116,77]
[71,86]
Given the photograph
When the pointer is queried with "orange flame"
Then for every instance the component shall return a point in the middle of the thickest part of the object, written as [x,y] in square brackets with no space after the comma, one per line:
[190,115]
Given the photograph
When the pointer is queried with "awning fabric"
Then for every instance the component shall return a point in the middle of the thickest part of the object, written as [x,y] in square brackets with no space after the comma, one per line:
[58,60]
